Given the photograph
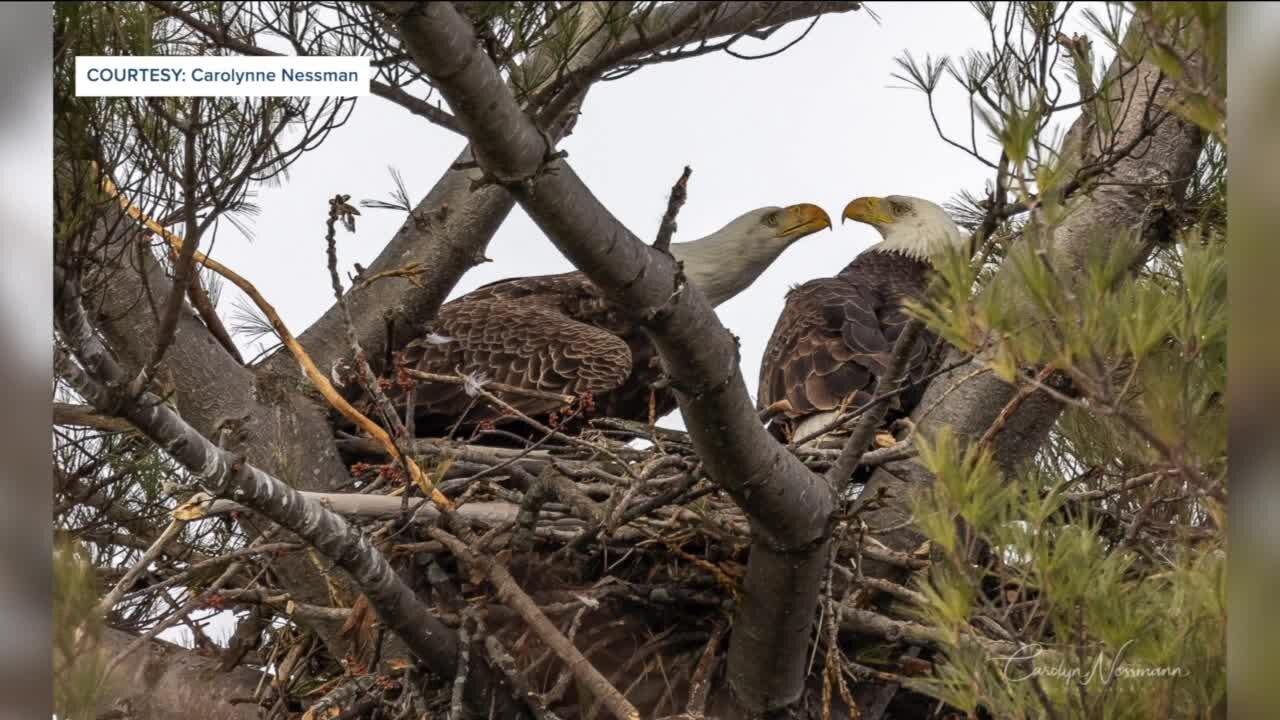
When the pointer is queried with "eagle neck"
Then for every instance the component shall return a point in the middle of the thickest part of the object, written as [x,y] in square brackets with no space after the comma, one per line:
[888,267]
[723,265]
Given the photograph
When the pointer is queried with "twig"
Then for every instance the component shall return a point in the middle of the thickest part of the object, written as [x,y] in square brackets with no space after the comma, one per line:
[481,392]
[630,514]
[894,557]
[1126,486]
[409,272]
[700,683]
[285,603]
[183,271]
[192,603]
[340,210]
[501,659]
[500,387]
[513,597]
[679,192]
[1010,408]
[464,666]
[551,483]
[157,547]
[212,562]
[900,592]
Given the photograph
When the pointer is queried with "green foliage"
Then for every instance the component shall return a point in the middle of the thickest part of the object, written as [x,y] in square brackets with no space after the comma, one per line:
[79,668]
[1187,41]
[1090,629]
[1098,587]
[1154,343]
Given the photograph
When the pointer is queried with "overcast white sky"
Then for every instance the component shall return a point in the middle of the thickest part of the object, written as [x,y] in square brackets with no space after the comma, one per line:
[821,123]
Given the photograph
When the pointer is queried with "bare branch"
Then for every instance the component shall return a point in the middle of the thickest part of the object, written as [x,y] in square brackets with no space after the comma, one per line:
[85,416]
[679,192]
[515,598]
[97,378]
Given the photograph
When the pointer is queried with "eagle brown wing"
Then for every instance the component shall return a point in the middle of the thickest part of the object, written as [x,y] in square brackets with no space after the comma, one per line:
[827,345]
[545,333]
[835,336]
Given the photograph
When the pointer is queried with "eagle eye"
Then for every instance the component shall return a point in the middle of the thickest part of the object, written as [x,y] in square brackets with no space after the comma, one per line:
[899,208]
[771,219]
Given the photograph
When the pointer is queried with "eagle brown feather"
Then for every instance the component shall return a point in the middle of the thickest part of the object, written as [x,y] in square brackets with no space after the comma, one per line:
[556,333]
[559,334]
[835,336]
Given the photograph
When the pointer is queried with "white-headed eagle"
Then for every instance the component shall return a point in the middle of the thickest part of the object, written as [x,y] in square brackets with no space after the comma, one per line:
[835,335]
[561,334]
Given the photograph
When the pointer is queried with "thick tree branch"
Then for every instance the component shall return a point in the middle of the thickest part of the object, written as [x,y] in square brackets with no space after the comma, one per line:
[99,380]
[274,424]
[788,505]
[317,378]
[699,354]
[267,417]
[167,682]
[448,231]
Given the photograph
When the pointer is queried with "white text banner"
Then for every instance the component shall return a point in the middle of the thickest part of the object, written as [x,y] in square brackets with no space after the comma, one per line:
[186,76]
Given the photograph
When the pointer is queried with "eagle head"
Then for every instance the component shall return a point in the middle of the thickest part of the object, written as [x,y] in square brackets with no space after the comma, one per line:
[910,226]
[727,261]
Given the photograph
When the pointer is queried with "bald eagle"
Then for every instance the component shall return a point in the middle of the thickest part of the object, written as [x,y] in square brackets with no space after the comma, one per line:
[560,334]
[835,335]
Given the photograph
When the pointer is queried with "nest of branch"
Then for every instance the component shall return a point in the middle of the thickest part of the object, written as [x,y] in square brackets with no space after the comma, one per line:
[633,554]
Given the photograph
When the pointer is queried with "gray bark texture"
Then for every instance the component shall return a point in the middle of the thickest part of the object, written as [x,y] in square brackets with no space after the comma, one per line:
[162,681]
[280,440]
[788,505]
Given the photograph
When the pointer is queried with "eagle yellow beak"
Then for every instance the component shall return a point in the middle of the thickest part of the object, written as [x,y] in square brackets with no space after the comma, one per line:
[803,219]
[868,210]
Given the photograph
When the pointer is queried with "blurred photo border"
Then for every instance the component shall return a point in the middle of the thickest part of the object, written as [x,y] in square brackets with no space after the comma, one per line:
[1253,390]
[26,331]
